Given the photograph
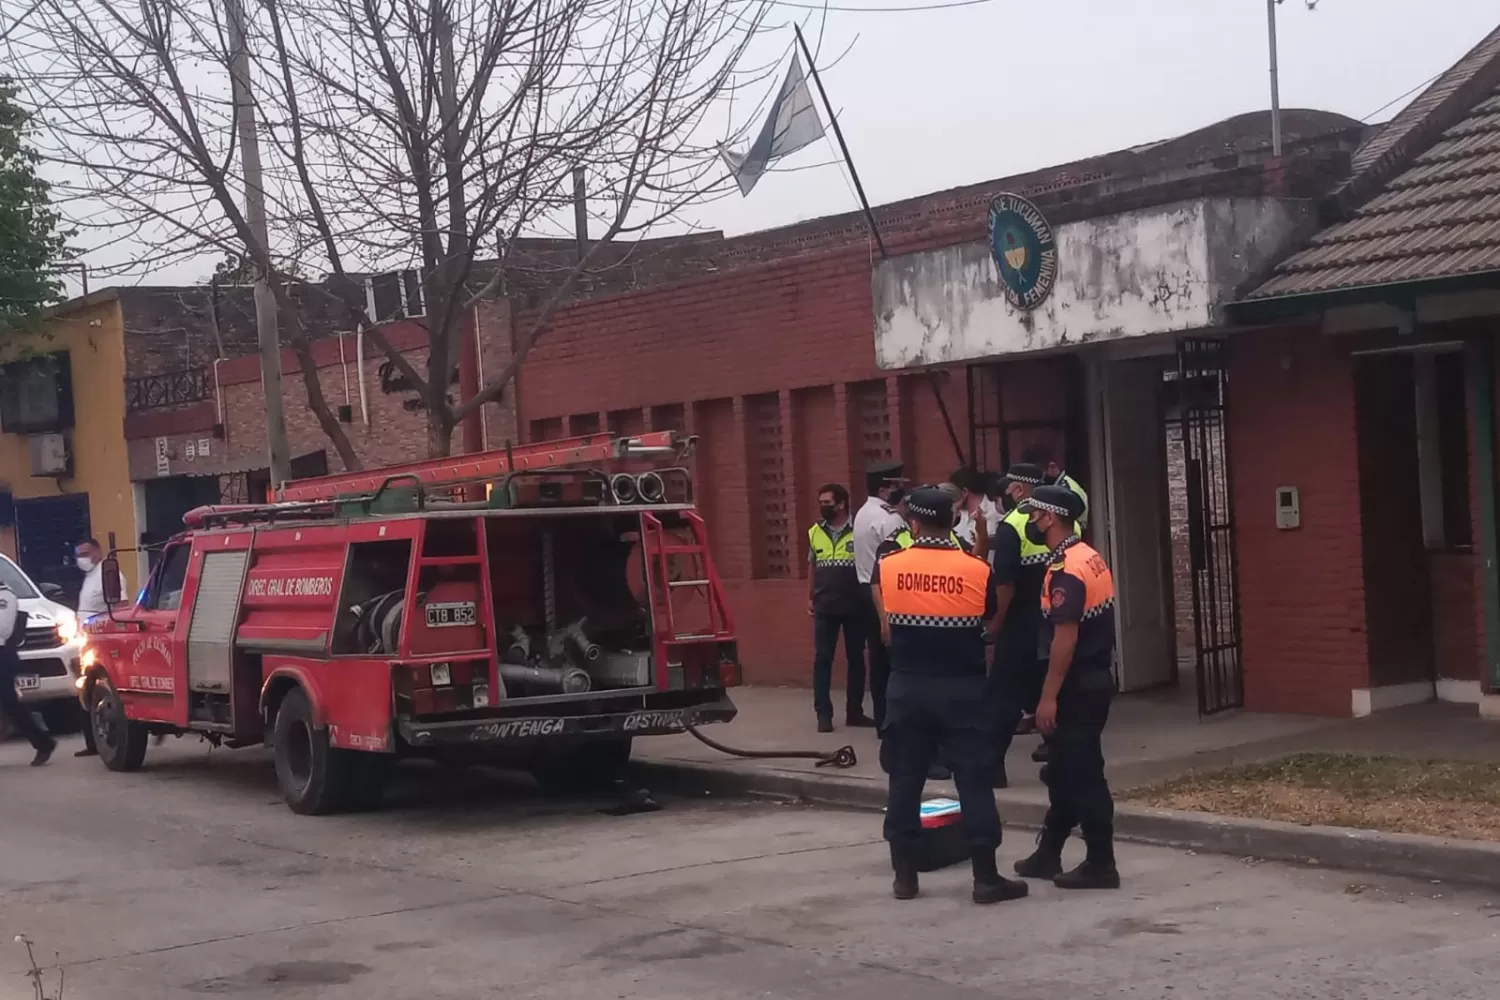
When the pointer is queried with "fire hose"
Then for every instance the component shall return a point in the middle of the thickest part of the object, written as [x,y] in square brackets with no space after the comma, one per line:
[842,757]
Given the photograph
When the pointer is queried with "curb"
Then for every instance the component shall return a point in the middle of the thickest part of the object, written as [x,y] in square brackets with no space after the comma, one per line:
[1463,862]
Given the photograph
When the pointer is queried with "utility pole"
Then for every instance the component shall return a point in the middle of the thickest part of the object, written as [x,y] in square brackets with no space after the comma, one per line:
[267,330]
[1275,82]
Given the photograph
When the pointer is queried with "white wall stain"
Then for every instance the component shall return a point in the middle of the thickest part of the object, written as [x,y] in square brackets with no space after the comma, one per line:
[1159,270]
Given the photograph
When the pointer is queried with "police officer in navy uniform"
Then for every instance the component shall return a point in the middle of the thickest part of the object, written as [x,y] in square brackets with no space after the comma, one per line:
[1078,637]
[933,600]
[1019,563]
[836,602]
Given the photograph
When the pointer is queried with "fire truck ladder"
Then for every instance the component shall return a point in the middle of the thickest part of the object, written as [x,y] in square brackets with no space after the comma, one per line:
[487,466]
[660,547]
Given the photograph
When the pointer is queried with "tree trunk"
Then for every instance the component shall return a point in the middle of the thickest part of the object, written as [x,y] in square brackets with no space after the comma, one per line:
[318,403]
[439,433]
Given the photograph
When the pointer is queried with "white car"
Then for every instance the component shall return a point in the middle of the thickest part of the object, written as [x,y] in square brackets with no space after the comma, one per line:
[49,655]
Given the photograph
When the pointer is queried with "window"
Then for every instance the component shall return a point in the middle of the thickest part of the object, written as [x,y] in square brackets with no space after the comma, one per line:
[171,576]
[36,395]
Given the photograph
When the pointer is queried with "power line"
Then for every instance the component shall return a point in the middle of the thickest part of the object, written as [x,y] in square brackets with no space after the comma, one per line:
[1402,97]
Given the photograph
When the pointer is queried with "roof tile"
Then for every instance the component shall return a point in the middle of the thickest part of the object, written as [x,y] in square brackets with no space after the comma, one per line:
[1430,182]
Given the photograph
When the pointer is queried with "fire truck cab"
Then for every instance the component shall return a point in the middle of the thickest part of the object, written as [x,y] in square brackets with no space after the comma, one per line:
[538,606]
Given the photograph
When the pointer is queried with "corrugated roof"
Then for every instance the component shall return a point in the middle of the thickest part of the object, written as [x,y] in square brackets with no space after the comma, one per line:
[1424,199]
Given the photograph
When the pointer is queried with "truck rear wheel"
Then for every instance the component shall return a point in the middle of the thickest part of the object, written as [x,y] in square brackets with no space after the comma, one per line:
[121,743]
[315,779]
[591,766]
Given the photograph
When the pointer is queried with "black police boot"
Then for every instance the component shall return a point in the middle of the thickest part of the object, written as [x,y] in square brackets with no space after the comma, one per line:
[989,885]
[1046,861]
[1042,753]
[938,772]
[859,720]
[905,884]
[825,723]
[1098,870]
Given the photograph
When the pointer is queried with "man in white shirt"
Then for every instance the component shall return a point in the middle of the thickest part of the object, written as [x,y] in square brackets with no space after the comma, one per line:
[90,559]
[876,521]
[12,633]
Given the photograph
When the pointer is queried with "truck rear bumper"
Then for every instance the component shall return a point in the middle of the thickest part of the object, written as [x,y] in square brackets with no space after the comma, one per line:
[532,728]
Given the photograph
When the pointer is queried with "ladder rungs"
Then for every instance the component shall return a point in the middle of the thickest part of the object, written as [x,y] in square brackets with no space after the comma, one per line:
[687,583]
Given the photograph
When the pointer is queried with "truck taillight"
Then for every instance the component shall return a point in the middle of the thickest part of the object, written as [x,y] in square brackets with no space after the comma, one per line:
[443,687]
[729,665]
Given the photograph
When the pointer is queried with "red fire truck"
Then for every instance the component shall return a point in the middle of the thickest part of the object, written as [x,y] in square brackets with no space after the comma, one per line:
[539,606]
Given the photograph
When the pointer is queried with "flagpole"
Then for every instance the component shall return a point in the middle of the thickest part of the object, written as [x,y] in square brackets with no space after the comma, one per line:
[859,189]
[838,134]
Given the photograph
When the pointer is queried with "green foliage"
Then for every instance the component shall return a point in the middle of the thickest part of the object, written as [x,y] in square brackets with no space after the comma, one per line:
[32,242]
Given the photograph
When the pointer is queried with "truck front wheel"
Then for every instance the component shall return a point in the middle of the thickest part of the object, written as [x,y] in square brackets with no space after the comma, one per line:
[120,742]
[314,778]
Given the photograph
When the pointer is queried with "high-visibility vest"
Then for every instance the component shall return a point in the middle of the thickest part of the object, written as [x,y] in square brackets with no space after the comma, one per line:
[831,550]
[1069,483]
[1086,564]
[933,587]
[904,538]
[1032,554]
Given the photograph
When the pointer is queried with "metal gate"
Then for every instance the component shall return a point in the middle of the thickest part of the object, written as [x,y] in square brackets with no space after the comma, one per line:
[1202,394]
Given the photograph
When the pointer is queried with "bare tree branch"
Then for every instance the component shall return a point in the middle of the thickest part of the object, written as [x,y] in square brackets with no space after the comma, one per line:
[396,134]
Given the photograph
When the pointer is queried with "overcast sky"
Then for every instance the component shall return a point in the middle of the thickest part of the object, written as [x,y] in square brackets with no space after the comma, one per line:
[942,98]
[938,98]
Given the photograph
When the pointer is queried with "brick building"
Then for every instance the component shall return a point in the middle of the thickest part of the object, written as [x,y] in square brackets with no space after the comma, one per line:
[768,357]
[1381,370]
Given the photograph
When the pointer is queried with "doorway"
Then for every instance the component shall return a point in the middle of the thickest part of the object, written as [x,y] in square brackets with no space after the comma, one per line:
[1139,547]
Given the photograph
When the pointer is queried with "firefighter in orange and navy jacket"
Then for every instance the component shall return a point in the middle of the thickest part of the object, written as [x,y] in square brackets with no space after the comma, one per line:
[933,600]
[1078,639]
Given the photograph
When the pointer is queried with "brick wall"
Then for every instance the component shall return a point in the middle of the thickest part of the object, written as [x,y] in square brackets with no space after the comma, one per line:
[773,368]
[1291,423]
[1182,563]
[396,431]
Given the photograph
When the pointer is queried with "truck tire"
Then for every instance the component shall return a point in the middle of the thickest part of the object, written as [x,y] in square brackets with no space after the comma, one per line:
[315,779]
[121,743]
[591,766]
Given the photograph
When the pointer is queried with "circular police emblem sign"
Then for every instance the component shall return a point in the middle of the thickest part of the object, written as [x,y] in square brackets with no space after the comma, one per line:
[1024,249]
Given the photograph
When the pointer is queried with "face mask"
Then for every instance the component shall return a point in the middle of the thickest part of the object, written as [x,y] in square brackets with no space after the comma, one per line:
[828,513]
[1034,533]
[896,497]
[85,563]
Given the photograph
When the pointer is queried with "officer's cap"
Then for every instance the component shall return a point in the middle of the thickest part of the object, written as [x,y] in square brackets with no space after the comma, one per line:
[930,503]
[886,468]
[1057,500]
[1025,472]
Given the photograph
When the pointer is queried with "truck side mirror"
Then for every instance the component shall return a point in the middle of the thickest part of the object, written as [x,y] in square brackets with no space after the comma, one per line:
[111,581]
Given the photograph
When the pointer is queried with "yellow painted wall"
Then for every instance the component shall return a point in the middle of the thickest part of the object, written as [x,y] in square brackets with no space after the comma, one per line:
[93,336]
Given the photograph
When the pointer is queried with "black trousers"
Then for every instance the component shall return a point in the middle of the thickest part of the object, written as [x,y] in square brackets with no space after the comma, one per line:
[826,629]
[880,657]
[1015,686]
[1077,791]
[10,702]
[927,716]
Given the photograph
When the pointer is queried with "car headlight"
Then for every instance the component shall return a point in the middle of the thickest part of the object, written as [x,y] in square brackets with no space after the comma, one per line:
[67,626]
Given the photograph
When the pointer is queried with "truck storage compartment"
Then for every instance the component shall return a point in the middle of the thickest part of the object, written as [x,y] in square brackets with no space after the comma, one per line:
[568,619]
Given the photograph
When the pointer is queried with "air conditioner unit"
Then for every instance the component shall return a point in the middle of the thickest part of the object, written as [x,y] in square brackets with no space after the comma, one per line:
[49,455]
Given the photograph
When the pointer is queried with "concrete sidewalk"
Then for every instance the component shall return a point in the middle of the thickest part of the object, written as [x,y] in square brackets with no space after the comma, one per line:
[1150,738]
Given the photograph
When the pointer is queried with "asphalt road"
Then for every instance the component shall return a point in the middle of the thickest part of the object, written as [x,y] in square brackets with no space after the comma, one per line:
[191,879]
